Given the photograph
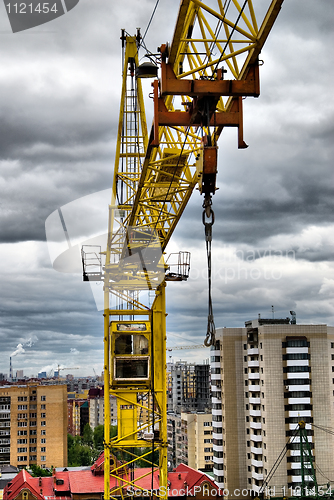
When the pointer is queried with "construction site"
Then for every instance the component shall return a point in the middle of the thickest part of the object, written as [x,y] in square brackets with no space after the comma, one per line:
[199,80]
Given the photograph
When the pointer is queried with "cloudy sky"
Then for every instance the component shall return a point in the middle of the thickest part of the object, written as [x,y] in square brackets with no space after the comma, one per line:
[273,237]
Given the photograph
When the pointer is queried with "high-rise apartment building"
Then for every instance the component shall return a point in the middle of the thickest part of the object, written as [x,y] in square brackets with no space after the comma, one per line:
[96,408]
[190,440]
[188,387]
[33,425]
[266,378]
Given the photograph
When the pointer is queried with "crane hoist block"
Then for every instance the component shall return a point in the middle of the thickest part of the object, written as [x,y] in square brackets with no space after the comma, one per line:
[206,166]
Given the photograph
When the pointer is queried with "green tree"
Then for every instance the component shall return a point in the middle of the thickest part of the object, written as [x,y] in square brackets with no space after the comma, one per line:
[87,436]
[99,435]
[37,471]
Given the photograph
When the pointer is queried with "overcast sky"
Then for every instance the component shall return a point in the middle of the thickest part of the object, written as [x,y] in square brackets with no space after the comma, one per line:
[60,87]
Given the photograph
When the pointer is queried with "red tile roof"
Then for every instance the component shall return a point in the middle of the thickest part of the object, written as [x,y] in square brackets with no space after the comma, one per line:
[66,483]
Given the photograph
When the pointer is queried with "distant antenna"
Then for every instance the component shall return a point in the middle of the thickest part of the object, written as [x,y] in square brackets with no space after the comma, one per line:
[273,311]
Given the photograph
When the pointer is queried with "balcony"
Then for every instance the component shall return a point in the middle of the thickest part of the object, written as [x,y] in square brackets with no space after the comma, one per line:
[258,463]
[255,401]
[292,401]
[255,425]
[257,475]
[253,352]
[256,438]
[254,376]
[255,413]
[253,364]
[256,451]
[254,388]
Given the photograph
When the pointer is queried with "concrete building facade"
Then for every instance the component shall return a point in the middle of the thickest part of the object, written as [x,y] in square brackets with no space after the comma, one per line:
[188,387]
[267,377]
[190,440]
[33,425]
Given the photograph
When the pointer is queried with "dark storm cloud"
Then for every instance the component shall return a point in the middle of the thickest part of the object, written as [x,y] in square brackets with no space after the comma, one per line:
[60,88]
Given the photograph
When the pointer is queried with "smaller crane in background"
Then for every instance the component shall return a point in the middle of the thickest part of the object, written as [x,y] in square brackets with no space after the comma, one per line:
[65,368]
[195,346]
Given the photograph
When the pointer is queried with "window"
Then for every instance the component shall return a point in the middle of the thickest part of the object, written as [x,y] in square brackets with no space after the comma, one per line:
[43,423]
[43,458]
[32,449]
[295,343]
[298,394]
[22,433]
[289,369]
[22,407]
[43,398]
[43,415]
[21,450]
[43,449]
[32,432]
[22,398]
[207,424]
[215,359]
[22,459]
[215,371]
[43,432]
[33,415]
[22,424]
[21,441]
[297,381]
[43,440]
[296,355]
[32,440]
[33,423]
[32,458]
[43,407]
[207,450]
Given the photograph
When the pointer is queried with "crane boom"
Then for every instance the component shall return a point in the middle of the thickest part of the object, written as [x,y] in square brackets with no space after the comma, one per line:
[210,65]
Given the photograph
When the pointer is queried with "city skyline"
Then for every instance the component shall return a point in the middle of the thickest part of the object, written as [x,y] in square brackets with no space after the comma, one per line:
[273,234]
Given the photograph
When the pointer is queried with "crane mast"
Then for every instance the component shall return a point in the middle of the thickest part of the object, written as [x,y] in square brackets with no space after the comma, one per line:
[211,64]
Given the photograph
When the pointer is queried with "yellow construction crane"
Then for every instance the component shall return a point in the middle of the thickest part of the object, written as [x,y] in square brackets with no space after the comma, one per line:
[211,64]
